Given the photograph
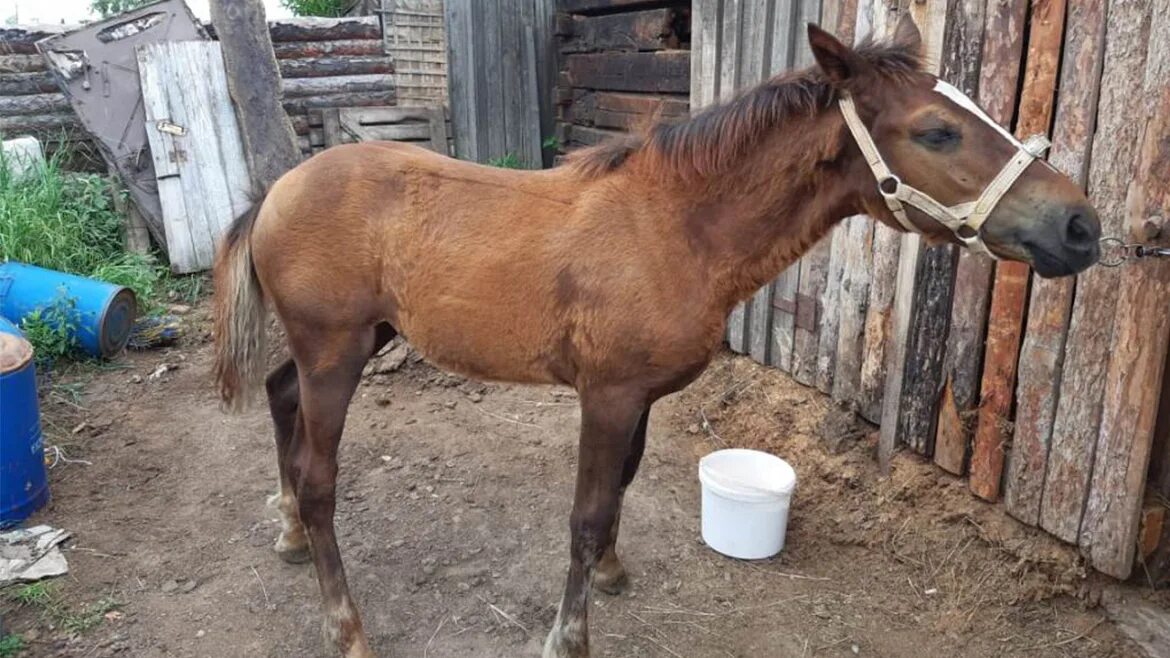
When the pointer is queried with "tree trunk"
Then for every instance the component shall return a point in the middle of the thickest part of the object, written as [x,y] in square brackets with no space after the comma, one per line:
[254,84]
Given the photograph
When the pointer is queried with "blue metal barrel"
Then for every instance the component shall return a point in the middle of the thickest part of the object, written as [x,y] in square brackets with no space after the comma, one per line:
[6,327]
[24,486]
[103,312]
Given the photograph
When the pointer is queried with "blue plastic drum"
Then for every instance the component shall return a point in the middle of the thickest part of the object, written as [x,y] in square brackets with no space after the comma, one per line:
[24,485]
[102,313]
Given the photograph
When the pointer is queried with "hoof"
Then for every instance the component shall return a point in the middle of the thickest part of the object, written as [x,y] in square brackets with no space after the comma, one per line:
[610,576]
[612,583]
[556,647]
[291,553]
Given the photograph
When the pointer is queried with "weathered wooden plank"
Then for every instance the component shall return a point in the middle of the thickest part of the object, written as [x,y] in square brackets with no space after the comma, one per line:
[856,248]
[601,6]
[341,84]
[41,123]
[321,29]
[1027,463]
[1120,121]
[664,71]
[253,82]
[200,164]
[330,66]
[960,66]
[18,84]
[652,29]
[752,69]
[885,245]
[911,363]
[590,136]
[291,50]
[1042,358]
[461,79]
[354,99]
[1137,354]
[730,20]
[22,40]
[998,77]
[810,313]
[22,63]
[54,103]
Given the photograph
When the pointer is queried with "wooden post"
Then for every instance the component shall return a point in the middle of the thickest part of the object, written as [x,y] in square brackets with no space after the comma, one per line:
[1043,353]
[960,66]
[254,85]
[1120,121]
[898,400]
[1009,296]
[1002,49]
[1133,381]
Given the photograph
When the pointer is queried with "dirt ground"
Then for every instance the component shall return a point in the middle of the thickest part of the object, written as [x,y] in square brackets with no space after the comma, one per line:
[453,521]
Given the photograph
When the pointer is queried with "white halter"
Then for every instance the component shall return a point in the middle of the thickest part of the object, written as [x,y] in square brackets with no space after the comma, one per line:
[964,219]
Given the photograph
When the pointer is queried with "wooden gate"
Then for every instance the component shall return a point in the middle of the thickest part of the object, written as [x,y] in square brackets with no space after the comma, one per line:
[195,144]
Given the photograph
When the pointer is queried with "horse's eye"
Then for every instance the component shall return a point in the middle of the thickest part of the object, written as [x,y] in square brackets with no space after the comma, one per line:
[938,139]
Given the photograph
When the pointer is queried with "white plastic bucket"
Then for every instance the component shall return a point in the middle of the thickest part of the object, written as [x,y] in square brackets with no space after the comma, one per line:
[746,494]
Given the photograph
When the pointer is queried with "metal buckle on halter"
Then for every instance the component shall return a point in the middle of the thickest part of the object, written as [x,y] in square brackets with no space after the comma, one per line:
[889,178]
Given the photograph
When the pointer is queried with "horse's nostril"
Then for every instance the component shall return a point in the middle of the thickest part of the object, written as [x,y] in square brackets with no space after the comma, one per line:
[1081,231]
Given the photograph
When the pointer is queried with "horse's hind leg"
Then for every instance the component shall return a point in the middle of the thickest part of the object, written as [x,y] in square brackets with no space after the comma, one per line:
[329,364]
[611,576]
[283,402]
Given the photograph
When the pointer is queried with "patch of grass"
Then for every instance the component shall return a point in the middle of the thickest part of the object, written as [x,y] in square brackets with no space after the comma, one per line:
[552,143]
[11,645]
[67,221]
[90,617]
[506,161]
[54,611]
[34,594]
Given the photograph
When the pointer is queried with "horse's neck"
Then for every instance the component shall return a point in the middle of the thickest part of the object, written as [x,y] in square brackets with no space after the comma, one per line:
[777,203]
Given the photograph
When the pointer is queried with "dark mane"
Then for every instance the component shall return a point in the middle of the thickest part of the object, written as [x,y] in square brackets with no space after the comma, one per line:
[708,141]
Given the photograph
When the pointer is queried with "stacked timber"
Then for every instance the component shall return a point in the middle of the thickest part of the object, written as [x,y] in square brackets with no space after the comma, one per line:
[324,63]
[30,101]
[622,65]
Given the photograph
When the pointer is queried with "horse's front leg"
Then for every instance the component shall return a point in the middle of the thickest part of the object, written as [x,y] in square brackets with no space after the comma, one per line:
[609,420]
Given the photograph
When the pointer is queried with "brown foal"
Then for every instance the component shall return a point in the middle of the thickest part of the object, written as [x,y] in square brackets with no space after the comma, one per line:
[613,274]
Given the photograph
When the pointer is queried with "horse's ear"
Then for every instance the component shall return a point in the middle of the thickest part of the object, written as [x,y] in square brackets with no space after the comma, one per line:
[839,62]
[907,34]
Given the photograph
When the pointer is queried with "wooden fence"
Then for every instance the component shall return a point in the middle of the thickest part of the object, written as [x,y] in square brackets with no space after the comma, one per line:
[500,62]
[1042,392]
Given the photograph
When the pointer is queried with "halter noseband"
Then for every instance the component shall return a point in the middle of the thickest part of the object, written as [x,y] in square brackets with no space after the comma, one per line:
[964,219]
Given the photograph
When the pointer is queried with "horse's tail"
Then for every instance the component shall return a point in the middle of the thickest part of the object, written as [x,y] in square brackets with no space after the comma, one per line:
[240,313]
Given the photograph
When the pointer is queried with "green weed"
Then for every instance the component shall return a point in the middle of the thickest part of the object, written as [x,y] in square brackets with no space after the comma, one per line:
[553,143]
[52,329]
[55,612]
[35,594]
[327,8]
[90,617]
[506,161]
[11,645]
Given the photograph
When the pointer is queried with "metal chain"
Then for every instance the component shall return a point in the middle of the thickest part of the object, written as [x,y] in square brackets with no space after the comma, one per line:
[1117,252]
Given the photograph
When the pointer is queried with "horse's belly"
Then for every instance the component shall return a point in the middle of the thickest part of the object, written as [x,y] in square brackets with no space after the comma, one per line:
[484,346]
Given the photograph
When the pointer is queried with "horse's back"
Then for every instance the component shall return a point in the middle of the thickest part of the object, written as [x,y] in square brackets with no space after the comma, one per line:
[380,231]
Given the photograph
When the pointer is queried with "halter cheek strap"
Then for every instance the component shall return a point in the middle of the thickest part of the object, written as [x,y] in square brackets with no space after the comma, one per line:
[965,219]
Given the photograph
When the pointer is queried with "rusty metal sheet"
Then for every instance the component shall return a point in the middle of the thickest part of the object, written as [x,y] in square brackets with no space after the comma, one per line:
[97,67]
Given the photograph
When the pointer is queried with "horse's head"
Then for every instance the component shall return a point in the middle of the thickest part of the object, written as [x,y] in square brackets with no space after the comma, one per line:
[934,163]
